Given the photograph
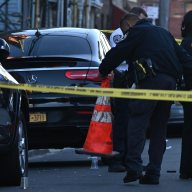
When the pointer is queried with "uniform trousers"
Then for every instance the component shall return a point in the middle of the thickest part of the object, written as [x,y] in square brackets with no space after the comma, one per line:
[142,115]
[120,121]
[186,151]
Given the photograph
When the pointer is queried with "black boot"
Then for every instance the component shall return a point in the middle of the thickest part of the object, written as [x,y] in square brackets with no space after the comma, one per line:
[131,176]
[116,168]
[185,176]
[149,179]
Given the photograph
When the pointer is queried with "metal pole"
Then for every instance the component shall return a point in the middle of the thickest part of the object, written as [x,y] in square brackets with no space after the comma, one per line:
[62,14]
[25,14]
[74,13]
[65,13]
[87,12]
[37,14]
[33,14]
[58,13]
[47,14]
[164,13]
[80,15]
[69,13]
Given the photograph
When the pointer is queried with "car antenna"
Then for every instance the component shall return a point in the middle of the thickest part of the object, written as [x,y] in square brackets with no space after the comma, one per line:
[37,33]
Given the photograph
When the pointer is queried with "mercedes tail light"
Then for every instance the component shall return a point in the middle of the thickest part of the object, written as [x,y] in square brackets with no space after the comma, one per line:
[91,75]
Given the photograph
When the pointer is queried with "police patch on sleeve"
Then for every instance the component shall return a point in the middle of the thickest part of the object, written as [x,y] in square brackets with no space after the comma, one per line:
[117,38]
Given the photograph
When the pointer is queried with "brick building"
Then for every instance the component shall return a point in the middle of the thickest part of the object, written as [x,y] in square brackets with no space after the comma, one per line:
[101,14]
[166,13]
[177,9]
[174,12]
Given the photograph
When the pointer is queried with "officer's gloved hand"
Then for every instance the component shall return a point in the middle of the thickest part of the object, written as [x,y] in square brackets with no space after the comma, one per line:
[100,77]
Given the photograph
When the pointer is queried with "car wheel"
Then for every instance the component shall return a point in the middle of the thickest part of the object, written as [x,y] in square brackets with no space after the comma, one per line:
[14,164]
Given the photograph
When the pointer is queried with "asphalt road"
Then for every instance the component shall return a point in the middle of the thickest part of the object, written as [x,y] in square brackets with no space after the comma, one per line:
[64,171]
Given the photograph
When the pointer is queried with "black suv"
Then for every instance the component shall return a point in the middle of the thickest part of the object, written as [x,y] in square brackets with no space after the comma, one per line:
[61,57]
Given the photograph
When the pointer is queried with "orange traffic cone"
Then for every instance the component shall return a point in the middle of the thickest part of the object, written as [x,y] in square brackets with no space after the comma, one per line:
[99,138]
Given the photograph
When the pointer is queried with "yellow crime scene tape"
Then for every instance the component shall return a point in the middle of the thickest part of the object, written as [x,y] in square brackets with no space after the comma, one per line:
[146,94]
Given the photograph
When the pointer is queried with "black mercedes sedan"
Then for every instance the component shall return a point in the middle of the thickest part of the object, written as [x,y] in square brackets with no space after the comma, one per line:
[57,57]
[14,117]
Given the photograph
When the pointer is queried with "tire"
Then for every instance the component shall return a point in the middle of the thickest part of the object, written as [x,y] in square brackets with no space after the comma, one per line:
[14,164]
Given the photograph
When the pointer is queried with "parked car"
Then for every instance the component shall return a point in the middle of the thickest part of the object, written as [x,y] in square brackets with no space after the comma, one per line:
[57,56]
[13,129]
[176,114]
[63,57]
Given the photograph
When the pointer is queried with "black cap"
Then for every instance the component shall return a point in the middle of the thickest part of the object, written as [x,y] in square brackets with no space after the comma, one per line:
[138,11]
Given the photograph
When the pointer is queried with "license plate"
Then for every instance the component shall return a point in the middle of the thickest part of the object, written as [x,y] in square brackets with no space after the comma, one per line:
[37,117]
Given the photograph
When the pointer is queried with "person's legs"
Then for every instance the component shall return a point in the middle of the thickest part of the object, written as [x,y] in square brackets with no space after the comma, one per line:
[158,133]
[157,142]
[140,112]
[186,154]
[120,121]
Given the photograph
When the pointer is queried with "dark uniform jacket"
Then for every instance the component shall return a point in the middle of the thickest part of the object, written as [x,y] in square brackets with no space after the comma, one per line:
[187,45]
[146,40]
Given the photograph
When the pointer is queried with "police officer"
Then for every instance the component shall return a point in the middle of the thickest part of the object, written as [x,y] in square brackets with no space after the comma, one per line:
[116,163]
[119,106]
[186,153]
[148,42]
